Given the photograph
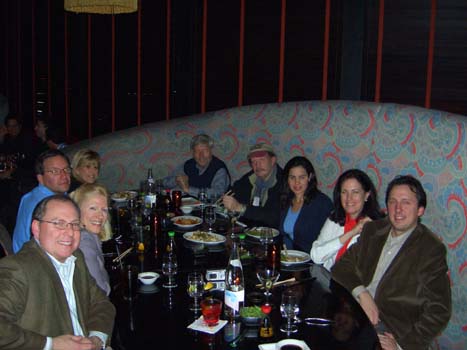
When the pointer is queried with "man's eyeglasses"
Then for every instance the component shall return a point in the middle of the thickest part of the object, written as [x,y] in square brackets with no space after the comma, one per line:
[56,171]
[62,224]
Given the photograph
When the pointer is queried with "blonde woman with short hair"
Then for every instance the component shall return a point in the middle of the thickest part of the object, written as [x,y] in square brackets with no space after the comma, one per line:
[85,165]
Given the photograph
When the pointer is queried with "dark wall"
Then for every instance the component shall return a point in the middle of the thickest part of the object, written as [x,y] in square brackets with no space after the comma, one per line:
[34,34]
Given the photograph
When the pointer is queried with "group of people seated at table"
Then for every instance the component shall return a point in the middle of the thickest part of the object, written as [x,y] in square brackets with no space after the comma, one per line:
[54,295]
[393,265]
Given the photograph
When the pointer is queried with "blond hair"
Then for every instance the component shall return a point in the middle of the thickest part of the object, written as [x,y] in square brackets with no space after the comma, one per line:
[82,158]
[85,191]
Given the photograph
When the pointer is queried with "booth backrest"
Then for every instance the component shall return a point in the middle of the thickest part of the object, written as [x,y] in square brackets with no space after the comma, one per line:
[384,140]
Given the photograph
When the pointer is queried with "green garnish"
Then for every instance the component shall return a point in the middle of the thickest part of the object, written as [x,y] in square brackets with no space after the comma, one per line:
[251,311]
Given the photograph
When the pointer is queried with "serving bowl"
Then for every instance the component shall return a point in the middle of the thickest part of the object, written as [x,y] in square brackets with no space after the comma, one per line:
[186,209]
[148,277]
[251,321]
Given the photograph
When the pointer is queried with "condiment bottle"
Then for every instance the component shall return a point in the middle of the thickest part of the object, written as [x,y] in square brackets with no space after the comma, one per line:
[266,330]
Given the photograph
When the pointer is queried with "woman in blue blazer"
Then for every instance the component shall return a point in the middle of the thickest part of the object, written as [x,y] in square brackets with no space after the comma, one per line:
[304,208]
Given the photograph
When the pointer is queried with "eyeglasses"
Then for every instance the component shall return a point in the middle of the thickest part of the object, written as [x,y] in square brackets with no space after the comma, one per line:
[62,224]
[56,171]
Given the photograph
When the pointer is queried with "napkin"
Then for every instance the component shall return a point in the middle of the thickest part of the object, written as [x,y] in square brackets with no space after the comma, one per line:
[200,325]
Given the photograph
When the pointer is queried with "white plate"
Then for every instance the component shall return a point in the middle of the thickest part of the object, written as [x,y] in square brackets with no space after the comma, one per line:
[255,232]
[123,196]
[211,238]
[187,217]
[193,202]
[298,256]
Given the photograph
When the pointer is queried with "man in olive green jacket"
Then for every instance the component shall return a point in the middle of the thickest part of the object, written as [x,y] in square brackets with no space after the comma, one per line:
[42,304]
[398,272]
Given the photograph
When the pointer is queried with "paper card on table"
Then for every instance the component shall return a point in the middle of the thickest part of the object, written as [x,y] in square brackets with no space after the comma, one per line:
[200,325]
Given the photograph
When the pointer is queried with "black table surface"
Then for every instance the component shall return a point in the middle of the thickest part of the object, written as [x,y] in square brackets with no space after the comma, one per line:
[159,316]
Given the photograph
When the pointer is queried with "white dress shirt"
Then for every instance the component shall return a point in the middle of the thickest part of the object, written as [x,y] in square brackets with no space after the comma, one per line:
[66,271]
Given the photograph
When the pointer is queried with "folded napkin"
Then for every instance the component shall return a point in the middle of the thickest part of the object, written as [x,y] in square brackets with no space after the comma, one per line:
[200,325]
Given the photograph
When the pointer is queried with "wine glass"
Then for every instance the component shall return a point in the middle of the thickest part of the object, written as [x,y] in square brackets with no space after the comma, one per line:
[169,269]
[266,238]
[195,289]
[210,216]
[268,277]
[289,310]
[203,197]
[233,215]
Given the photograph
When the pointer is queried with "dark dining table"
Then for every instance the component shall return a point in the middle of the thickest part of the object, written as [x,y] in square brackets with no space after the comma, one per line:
[159,316]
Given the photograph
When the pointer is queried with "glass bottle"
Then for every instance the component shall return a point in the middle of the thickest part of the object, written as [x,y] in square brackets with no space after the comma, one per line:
[234,295]
[168,202]
[266,330]
[169,261]
[150,195]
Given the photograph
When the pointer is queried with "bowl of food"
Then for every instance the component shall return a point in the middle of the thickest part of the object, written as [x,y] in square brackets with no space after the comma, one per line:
[251,316]
[186,221]
[186,209]
[148,277]
[291,344]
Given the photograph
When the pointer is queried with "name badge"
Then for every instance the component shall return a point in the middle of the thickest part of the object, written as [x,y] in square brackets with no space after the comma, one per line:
[255,201]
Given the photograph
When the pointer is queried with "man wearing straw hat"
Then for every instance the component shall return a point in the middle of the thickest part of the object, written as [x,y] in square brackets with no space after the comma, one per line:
[256,195]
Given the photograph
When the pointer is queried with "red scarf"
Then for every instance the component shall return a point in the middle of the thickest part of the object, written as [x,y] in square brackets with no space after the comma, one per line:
[348,226]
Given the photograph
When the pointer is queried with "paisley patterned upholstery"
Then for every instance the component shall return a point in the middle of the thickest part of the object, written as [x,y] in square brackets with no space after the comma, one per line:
[382,139]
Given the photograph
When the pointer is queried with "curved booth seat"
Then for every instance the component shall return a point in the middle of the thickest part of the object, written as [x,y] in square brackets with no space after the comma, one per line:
[383,139]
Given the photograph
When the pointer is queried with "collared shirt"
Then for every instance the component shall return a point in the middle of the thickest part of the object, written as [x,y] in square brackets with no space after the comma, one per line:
[219,184]
[65,272]
[22,232]
[390,250]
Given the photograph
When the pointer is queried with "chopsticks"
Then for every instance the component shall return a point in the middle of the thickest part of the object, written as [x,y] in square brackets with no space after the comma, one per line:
[280,282]
[121,256]
[228,193]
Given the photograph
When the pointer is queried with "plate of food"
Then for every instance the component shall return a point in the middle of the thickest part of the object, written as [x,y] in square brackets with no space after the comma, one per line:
[123,196]
[190,201]
[186,221]
[294,257]
[204,237]
[255,232]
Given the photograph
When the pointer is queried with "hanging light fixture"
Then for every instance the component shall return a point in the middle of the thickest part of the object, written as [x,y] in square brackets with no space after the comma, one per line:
[110,7]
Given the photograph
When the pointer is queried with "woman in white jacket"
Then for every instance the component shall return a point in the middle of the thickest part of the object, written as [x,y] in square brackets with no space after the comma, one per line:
[355,203]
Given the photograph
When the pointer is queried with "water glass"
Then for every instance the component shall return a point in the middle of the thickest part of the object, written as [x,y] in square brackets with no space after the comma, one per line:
[267,239]
[289,310]
[169,269]
[203,196]
[195,289]
[210,216]
[129,282]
